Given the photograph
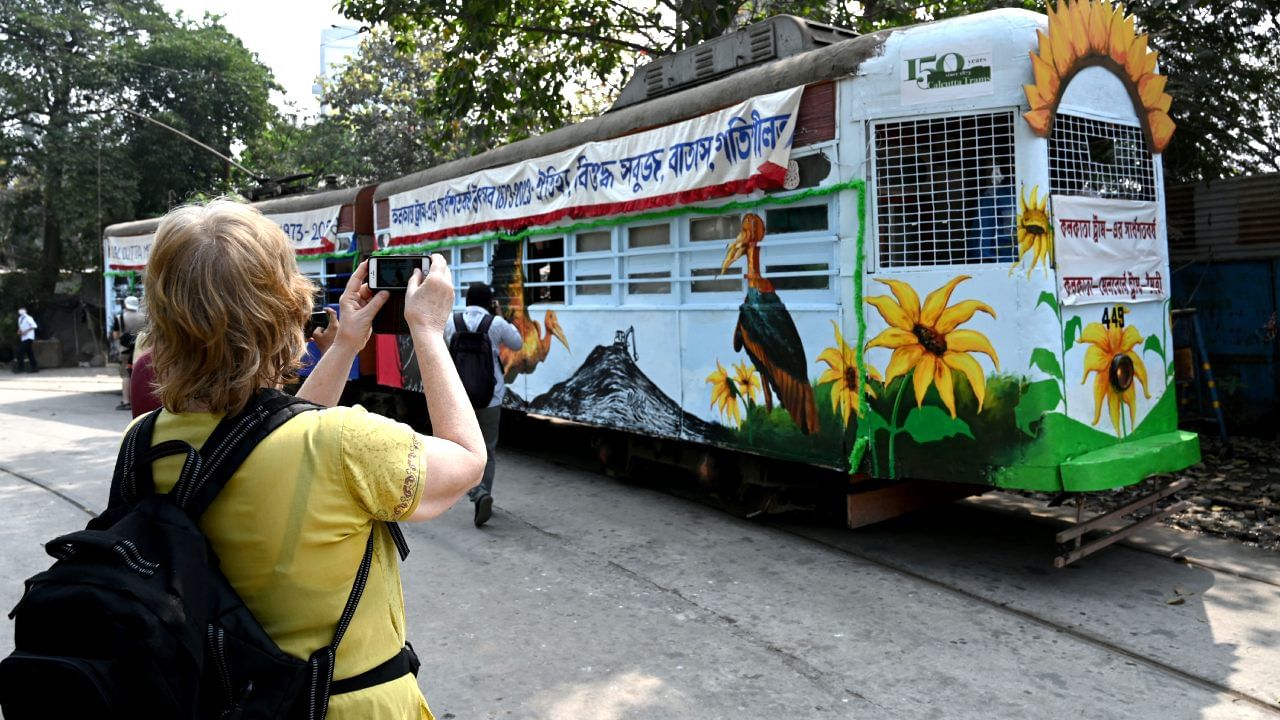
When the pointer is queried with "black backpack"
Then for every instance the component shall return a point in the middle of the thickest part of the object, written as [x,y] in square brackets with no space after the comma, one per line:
[473,356]
[135,619]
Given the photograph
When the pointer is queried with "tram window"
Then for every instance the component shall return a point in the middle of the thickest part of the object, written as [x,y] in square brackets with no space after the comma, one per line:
[593,285]
[642,283]
[1100,159]
[811,218]
[945,190]
[600,241]
[723,227]
[715,280]
[819,280]
[472,254]
[649,236]
[544,263]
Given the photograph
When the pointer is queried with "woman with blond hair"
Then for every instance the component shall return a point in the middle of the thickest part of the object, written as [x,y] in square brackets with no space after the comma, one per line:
[227,309]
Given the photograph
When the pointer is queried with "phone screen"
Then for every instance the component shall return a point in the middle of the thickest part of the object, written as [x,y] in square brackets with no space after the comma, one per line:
[394,272]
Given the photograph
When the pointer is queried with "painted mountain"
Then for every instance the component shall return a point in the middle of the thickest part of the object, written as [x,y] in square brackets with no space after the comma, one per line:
[609,389]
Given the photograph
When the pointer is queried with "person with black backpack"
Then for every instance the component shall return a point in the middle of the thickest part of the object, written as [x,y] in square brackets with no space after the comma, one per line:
[246,565]
[474,336]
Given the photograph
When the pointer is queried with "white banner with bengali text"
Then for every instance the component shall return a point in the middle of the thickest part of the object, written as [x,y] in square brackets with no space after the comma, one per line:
[732,151]
[127,252]
[1109,250]
[314,232]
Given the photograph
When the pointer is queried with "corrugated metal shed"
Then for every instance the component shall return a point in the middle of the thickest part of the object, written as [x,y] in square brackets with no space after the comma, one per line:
[1234,219]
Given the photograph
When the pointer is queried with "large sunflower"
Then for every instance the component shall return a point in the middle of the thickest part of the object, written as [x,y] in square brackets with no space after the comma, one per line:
[1035,232]
[1095,32]
[926,342]
[724,394]
[1112,357]
[748,381]
[843,373]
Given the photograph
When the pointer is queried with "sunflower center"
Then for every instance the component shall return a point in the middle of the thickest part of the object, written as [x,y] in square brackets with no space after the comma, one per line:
[1034,229]
[851,377]
[932,340]
[1121,373]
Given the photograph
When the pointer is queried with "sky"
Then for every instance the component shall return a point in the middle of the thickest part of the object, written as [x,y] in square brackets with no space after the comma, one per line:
[285,36]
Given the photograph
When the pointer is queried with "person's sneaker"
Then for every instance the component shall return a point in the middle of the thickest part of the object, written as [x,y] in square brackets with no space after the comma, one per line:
[484,509]
[124,406]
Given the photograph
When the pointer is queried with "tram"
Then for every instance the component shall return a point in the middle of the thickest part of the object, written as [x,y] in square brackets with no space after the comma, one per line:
[935,252]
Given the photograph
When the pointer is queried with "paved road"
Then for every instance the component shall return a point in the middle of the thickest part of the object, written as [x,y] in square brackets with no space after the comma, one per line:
[588,599]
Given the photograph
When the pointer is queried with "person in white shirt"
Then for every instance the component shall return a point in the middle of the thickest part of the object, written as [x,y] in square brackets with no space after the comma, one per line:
[480,304]
[27,340]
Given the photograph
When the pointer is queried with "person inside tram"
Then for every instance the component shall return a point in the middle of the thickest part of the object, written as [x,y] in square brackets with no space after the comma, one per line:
[227,309]
[990,231]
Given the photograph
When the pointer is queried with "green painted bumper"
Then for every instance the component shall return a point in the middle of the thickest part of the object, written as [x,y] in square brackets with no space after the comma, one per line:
[1129,462]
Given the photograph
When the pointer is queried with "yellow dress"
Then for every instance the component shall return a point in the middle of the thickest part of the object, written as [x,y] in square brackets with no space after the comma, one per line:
[290,530]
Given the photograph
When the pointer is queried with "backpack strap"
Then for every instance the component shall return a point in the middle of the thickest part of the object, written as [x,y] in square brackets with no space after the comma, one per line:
[483,328]
[459,324]
[322,661]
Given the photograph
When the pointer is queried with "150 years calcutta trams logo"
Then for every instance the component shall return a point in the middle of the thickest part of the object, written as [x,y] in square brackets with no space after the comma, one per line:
[939,73]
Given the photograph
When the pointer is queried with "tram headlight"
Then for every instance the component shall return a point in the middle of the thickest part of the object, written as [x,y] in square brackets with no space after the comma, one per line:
[1121,372]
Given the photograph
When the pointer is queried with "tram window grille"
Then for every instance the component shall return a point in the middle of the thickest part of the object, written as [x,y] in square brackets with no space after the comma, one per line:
[720,227]
[590,242]
[643,236]
[1100,159]
[945,190]
[471,254]
[642,283]
[706,280]
[816,276]
[544,263]
[810,218]
[593,285]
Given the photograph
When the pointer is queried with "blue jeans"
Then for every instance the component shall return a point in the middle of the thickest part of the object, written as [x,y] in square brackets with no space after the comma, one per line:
[490,418]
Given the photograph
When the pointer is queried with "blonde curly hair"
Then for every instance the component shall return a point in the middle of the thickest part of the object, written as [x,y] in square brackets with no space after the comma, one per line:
[227,306]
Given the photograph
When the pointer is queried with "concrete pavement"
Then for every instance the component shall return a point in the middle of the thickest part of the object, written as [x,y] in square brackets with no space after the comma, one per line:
[588,599]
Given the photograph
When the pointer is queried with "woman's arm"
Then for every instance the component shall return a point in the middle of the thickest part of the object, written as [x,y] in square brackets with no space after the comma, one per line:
[455,456]
[359,305]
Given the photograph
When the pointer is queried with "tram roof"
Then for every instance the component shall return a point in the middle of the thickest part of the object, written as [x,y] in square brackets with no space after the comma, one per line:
[275,206]
[836,60]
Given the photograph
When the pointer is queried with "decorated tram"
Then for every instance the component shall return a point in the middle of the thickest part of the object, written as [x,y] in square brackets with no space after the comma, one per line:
[933,253]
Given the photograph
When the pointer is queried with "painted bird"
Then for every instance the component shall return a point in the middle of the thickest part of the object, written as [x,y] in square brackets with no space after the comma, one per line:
[537,344]
[766,331]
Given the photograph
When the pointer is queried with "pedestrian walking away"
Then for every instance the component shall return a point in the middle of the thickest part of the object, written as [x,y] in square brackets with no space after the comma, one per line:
[481,317]
[128,325]
[26,341]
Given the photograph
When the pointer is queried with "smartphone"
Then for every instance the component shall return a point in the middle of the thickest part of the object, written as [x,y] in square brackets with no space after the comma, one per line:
[392,272]
[318,319]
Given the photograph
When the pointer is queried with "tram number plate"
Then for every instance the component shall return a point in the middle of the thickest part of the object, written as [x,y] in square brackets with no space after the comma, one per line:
[1113,316]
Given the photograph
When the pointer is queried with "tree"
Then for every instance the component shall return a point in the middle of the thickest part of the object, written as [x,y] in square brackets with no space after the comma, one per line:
[374,125]
[72,159]
[506,68]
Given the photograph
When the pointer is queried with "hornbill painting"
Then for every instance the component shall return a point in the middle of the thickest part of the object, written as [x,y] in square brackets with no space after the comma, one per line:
[766,331]
[537,344]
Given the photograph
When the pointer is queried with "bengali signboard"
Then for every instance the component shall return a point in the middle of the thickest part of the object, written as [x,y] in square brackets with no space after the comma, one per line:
[1109,250]
[128,252]
[732,151]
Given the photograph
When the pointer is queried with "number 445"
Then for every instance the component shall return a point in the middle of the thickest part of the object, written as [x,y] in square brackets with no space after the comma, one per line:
[1113,316]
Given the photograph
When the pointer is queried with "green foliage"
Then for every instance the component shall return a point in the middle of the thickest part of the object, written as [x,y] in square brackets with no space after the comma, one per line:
[1039,398]
[1070,332]
[1153,345]
[1047,298]
[1047,362]
[931,423]
[776,433]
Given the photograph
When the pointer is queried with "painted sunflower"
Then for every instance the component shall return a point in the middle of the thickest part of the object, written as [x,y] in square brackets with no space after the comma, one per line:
[843,372]
[724,394]
[1035,232]
[927,343]
[1111,355]
[748,382]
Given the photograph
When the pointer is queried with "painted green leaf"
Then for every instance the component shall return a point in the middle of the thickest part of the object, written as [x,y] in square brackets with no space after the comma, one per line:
[1039,398]
[857,453]
[928,424]
[1047,362]
[1153,345]
[1047,298]
[874,422]
[1071,332]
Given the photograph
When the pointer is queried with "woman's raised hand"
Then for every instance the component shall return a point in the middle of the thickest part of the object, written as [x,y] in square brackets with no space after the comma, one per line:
[359,306]
[428,302]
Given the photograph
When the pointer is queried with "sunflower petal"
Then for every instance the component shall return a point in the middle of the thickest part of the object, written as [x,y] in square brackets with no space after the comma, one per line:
[893,338]
[959,314]
[1140,372]
[1128,339]
[937,301]
[1101,386]
[1150,88]
[972,341]
[972,371]
[946,386]
[922,376]
[1095,360]
[832,357]
[840,343]
[891,312]
[907,300]
[1162,128]
[1113,408]
[1130,398]
[1095,334]
[904,358]
[1039,121]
